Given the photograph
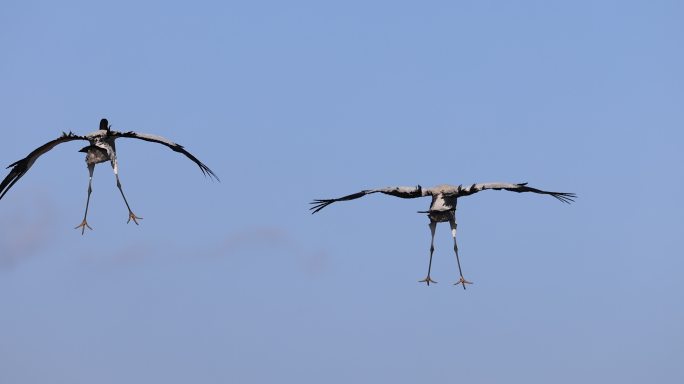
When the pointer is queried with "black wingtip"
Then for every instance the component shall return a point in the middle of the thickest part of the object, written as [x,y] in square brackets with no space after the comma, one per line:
[319,204]
[205,170]
[9,181]
[565,197]
[213,175]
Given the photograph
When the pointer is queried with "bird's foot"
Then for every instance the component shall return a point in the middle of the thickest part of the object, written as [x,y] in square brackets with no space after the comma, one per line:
[83,226]
[132,216]
[427,280]
[463,282]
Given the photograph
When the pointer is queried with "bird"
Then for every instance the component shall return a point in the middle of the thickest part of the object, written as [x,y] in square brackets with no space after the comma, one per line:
[101,148]
[443,207]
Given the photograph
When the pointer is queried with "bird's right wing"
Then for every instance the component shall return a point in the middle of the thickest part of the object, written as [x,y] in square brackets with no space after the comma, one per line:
[564,197]
[164,141]
[403,192]
[22,166]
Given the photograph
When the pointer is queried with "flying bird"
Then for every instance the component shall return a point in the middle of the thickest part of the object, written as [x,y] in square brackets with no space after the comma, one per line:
[443,207]
[101,148]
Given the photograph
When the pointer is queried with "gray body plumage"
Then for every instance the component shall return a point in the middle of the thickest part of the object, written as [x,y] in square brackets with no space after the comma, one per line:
[95,155]
[101,148]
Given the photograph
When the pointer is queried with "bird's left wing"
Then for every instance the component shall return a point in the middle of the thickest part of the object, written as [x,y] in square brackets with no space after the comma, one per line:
[164,141]
[521,187]
[19,168]
[403,192]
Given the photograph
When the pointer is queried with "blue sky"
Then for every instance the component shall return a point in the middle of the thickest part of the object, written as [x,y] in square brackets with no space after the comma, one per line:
[290,101]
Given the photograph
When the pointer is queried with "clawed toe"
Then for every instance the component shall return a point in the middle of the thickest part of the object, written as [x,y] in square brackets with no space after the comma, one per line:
[463,282]
[427,280]
[132,216]
[83,226]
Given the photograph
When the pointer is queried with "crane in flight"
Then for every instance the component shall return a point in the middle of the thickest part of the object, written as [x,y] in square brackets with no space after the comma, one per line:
[101,148]
[443,207]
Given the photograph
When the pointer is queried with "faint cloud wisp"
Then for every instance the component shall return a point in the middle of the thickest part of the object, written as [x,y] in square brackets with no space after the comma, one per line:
[277,239]
[260,244]
[25,229]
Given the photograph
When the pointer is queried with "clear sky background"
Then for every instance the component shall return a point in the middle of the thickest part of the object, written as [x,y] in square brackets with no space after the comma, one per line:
[235,282]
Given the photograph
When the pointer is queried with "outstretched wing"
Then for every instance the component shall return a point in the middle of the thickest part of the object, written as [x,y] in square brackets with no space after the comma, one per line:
[522,187]
[403,192]
[164,141]
[19,168]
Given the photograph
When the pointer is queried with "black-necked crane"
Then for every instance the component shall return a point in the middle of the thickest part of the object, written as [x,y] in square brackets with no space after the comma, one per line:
[100,150]
[443,207]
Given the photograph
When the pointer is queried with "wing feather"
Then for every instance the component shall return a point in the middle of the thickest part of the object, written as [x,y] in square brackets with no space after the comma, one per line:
[564,197]
[19,168]
[403,192]
[164,141]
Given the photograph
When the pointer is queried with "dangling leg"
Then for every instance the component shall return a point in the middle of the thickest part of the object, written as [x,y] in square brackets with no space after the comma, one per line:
[131,215]
[433,226]
[458,261]
[84,224]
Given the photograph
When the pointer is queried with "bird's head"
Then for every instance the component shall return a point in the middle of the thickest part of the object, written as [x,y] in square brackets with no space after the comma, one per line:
[104,125]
